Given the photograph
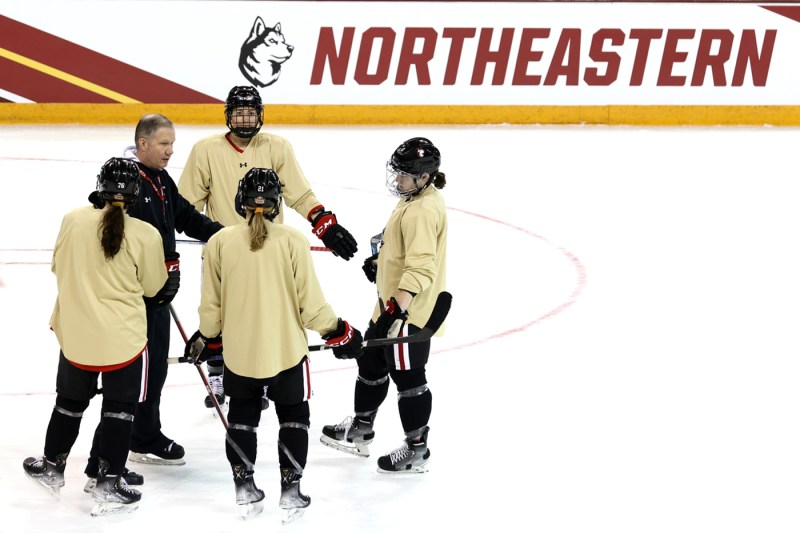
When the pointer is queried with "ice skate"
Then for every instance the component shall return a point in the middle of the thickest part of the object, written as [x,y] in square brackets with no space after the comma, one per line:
[352,435]
[215,383]
[249,498]
[410,458]
[131,478]
[112,495]
[171,454]
[50,474]
[293,503]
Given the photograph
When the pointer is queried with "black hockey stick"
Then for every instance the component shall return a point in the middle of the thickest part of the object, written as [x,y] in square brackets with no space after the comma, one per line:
[435,321]
[200,370]
[440,310]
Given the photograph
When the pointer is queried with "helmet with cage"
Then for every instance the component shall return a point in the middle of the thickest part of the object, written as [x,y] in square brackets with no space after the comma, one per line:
[411,160]
[244,111]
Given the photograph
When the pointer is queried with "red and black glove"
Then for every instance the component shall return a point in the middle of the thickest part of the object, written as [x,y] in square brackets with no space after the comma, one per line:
[173,283]
[199,348]
[345,339]
[332,234]
[391,320]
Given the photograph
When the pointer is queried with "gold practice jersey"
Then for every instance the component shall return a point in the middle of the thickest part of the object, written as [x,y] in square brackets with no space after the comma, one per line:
[413,254]
[215,166]
[262,301]
[99,316]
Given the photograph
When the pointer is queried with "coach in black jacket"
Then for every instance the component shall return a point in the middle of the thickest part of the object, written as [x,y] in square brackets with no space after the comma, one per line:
[161,205]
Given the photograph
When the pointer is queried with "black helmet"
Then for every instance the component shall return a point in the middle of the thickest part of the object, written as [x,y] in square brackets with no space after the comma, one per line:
[416,156]
[259,188]
[119,181]
[244,96]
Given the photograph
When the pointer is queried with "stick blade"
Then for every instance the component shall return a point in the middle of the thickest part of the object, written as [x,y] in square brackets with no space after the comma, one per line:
[440,310]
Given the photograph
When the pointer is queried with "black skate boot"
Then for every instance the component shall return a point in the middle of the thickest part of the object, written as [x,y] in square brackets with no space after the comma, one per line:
[352,435]
[293,502]
[130,477]
[49,473]
[412,457]
[248,496]
[171,454]
[111,493]
[215,382]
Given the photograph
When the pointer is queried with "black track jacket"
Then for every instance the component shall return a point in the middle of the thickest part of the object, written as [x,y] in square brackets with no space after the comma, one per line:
[162,206]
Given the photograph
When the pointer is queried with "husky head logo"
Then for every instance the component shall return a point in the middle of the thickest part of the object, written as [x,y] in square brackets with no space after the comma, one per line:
[263,53]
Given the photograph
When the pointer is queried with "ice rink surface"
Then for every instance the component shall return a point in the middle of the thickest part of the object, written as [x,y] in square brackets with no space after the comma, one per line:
[622,352]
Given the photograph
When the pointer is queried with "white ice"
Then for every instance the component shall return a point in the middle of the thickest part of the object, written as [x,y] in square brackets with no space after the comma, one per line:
[621,355]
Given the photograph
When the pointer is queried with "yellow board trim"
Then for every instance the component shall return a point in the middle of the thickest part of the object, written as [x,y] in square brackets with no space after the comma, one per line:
[365,115]
[68,78]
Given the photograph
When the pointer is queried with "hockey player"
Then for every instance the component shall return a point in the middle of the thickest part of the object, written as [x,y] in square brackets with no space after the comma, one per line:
[104,261]
[165,209]
[409,269]
[260,293]
[217,163]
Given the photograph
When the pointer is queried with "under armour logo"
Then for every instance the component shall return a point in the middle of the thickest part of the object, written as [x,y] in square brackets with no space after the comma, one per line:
[146,199]
[241,165]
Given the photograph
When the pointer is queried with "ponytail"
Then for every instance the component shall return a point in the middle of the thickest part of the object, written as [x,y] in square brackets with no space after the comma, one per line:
[113,229]
[258,228]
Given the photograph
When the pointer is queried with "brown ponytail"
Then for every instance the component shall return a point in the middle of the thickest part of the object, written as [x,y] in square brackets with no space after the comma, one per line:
[113,229]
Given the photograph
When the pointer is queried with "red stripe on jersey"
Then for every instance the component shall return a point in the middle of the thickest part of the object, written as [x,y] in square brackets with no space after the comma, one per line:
[228,138]
[109,368]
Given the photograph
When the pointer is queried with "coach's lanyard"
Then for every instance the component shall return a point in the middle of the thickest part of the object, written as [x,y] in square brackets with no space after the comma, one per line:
[159,191]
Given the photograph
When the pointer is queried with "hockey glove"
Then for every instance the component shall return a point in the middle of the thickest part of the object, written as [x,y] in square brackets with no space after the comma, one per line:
[173,283]
[332,234]
[199,348]
[370,267]
[96,201]
[346,341]
[391,320]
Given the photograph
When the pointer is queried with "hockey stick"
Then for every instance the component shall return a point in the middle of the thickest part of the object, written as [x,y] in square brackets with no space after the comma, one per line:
[200,370]
[228,438]
[435,321]
[440,310]
[312,248]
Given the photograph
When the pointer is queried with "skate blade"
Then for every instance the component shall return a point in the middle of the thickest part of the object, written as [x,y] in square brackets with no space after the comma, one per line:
[360,449]
[113,508]
[250,510]
[150,459]
[290,515]
[55,492]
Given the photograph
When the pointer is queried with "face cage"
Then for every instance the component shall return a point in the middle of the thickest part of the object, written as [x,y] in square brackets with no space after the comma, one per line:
[391,181]
[244,132]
